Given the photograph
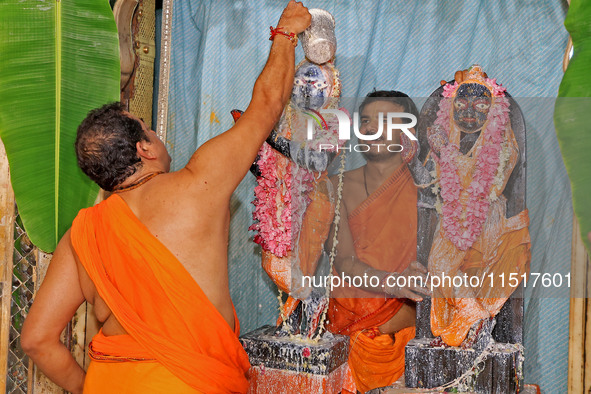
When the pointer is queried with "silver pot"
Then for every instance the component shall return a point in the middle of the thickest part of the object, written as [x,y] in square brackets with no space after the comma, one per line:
[318,40]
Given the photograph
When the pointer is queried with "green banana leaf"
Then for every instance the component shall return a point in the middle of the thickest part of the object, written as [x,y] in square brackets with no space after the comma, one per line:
[58,60]
[572,113]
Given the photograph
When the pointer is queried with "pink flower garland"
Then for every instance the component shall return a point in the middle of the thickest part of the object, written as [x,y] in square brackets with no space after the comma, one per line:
[462,229]
[282,195]
[274,233]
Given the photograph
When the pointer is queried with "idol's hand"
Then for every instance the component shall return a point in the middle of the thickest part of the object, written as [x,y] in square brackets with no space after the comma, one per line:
[437,138]
[410,148]
[295,18]
[411,283]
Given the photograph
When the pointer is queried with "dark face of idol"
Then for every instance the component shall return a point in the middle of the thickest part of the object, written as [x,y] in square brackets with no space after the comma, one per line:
[310,87]
[471,106]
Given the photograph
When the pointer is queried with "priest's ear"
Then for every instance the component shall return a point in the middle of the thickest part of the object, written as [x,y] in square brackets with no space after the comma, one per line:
[145,149]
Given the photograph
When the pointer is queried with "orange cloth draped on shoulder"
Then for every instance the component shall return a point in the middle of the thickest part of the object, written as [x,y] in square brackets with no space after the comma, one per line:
[384,229]
[166,314]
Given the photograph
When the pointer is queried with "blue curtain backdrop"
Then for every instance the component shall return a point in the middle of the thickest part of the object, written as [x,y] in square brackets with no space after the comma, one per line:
[219,47]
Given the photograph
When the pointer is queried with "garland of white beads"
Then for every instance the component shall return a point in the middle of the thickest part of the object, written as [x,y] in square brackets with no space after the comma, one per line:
[337,220]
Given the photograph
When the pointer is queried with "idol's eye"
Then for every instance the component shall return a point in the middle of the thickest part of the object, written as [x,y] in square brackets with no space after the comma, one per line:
[299,82]
[320,85]
[459,104]
[481,105]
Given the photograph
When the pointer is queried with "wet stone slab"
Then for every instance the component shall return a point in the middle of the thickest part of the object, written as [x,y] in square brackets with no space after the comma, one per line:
[399,388]
[500,371]
[295,354]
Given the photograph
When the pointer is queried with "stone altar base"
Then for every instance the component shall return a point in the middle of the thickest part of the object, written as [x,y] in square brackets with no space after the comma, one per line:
[398,388]
[286,365]
[500,371]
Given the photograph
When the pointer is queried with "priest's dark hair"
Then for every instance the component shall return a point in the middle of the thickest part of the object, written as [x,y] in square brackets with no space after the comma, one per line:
[106,145]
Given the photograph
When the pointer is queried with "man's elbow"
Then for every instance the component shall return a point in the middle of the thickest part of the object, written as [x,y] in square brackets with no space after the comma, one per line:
[32,340]
[29,341]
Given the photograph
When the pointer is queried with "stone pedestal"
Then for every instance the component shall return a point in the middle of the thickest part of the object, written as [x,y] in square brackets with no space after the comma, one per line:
[399,388]
[498,369]
[286,365]
[501,371]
